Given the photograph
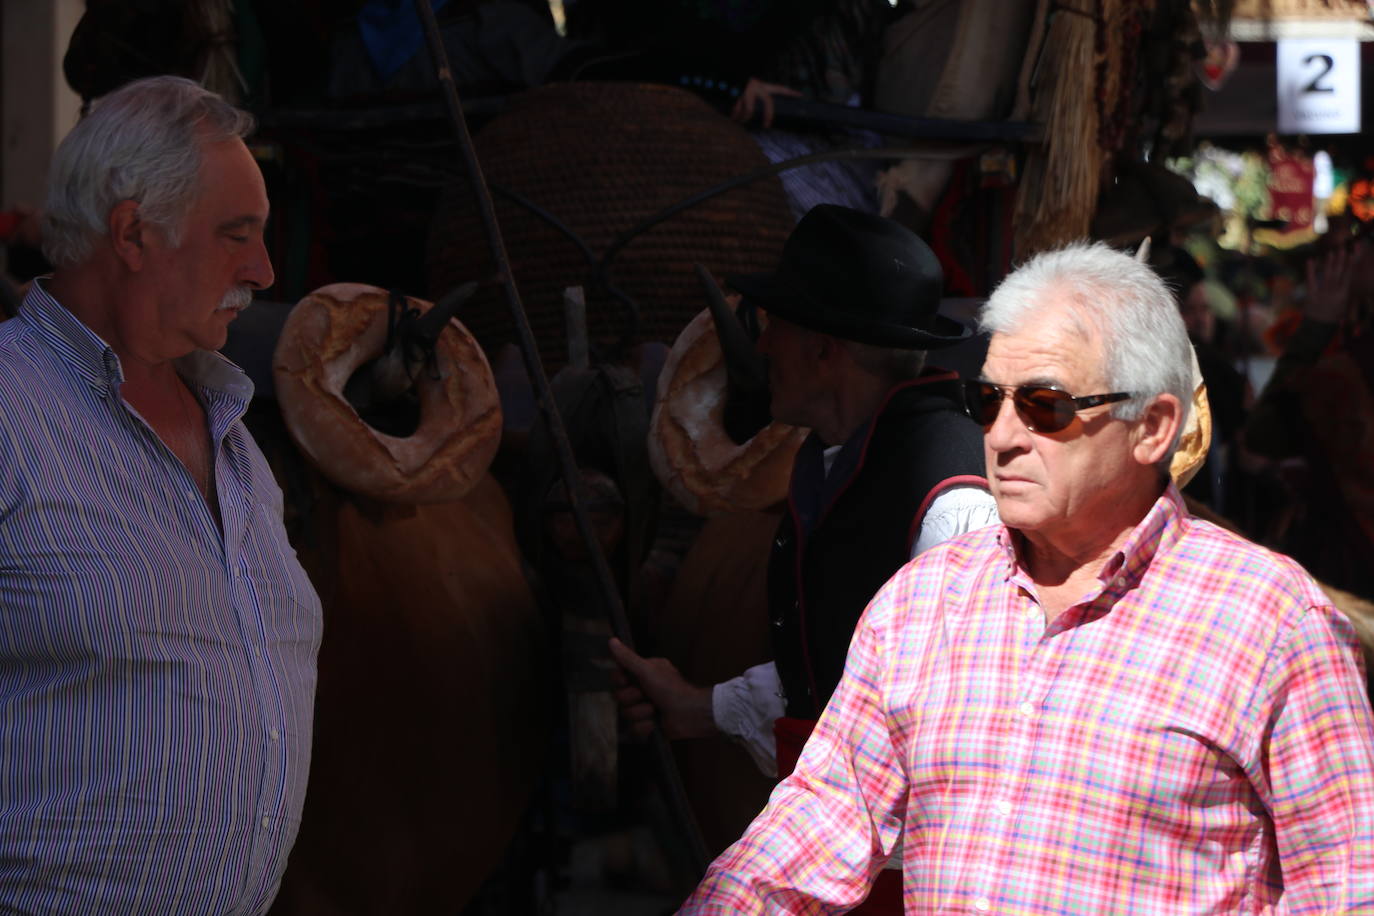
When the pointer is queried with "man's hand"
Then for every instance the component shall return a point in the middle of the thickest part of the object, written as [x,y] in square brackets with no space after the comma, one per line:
[758,94]
[654,686]
[1328,286]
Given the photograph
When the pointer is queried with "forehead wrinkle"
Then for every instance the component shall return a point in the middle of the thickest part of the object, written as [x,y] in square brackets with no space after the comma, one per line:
[1053,355]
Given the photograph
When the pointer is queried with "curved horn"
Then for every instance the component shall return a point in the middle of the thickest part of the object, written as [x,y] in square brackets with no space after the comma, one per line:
[746,395]
[1142,254]
[431,324]
[380,384]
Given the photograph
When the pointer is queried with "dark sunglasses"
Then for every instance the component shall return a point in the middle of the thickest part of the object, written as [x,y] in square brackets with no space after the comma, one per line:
[1043,409]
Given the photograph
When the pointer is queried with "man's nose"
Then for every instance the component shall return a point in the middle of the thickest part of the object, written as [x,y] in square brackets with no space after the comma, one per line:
[1007,431]
[258,272]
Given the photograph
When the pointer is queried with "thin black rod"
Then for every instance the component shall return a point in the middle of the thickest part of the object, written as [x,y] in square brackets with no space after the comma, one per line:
[594,275]
[676,795]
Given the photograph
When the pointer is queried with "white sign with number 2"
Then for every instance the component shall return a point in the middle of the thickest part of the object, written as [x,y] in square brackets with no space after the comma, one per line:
[1319,86]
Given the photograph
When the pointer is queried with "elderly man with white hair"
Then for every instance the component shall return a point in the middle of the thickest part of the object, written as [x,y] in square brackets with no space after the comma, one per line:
[1102,705]
[157,634]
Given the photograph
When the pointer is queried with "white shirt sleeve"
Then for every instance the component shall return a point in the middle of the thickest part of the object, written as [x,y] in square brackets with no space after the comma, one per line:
[956,511]
[744,709]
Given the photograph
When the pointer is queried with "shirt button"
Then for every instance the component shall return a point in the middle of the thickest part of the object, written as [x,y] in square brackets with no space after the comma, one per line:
[274,734]
[982,904]
[1003,807]
[1027,709]
[266,823]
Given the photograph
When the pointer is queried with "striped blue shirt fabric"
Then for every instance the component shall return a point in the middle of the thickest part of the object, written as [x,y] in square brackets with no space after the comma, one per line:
[157,671]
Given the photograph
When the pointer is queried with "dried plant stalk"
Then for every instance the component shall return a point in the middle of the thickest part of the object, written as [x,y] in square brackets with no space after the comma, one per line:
[1058,191]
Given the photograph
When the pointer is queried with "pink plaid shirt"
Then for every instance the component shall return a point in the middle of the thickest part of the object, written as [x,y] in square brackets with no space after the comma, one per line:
[1191,737]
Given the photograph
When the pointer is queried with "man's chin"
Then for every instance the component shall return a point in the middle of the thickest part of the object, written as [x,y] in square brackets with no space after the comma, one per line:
[1019,514]
[215,335]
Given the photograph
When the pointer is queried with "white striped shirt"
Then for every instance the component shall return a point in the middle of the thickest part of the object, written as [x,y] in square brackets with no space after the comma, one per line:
[157,673]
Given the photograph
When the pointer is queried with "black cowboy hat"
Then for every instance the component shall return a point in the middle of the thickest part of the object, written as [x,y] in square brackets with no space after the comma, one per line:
[858,277]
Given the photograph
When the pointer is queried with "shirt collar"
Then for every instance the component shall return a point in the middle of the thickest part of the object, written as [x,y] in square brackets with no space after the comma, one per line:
[81,349]
[1158,531]
[95,362]
[216,372]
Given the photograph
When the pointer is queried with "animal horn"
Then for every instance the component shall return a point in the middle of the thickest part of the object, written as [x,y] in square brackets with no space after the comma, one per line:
[376,389]
[1142,254]
[746,373]
[432,323]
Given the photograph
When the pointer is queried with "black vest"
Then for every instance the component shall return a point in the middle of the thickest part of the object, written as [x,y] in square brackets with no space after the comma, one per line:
[846,534]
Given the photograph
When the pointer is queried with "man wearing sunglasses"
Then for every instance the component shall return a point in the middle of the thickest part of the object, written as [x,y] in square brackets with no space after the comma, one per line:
[1102,705]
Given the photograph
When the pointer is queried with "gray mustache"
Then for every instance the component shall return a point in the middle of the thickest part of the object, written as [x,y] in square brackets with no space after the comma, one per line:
[240,297]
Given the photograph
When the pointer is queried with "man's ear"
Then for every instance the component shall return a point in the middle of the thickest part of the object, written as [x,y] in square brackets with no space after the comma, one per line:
[824,349]
[1156,430]
[127,231]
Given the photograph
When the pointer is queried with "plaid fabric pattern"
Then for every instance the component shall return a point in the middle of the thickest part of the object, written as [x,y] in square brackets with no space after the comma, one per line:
[1191,737]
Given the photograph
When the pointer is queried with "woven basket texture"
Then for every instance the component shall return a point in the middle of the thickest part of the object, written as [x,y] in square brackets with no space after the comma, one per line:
[601,157]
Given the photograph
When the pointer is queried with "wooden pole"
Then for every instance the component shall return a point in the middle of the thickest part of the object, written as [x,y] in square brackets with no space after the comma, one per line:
[670,779]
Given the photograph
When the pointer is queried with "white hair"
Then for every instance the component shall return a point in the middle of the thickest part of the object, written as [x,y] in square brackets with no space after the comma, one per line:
[141,142]
[1144,342]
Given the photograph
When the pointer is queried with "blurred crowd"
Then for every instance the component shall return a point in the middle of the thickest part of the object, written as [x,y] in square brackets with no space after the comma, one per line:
[1283,345]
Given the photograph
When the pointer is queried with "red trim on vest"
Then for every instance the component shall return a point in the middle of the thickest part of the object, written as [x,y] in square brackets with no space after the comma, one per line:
[961,480]
[930,375]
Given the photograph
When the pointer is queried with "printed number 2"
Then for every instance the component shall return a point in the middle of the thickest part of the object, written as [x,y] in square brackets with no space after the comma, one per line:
[1315,85]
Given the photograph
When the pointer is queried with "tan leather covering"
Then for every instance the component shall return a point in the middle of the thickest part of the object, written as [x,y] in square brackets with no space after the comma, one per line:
[1197,434]
[432,718]
[715,625]
[689,450]
[338,328]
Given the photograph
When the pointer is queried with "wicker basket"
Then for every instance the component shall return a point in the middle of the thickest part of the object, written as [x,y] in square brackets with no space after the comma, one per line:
[601,157]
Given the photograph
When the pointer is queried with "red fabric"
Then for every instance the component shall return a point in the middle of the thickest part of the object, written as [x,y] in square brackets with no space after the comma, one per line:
[791,735]
[1290,188]
[885,896]
[9,223]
